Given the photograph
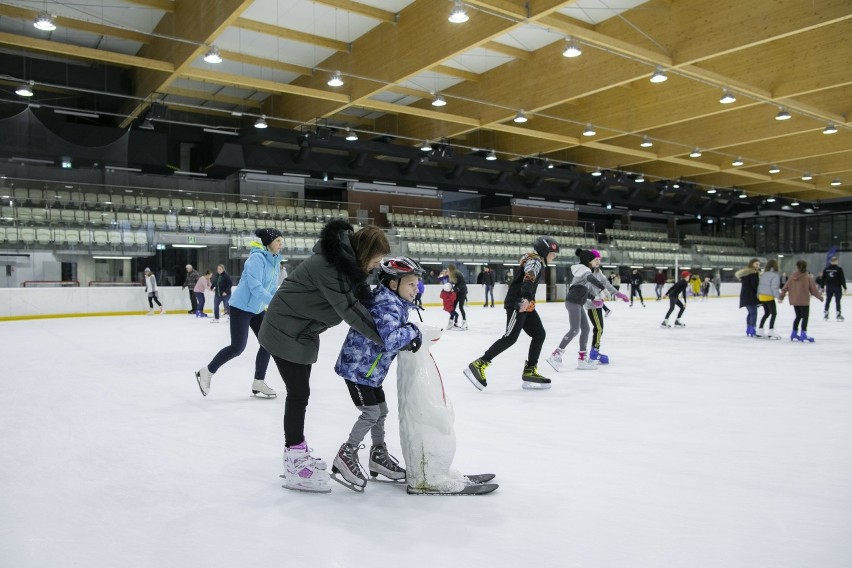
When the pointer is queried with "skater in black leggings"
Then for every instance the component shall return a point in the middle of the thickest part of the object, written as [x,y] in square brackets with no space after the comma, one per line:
[460,288]
[834,282]
[636,287]
[801,287]
[676,290]
[768,288]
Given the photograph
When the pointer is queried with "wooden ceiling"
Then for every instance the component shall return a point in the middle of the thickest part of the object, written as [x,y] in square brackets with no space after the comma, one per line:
[394,55]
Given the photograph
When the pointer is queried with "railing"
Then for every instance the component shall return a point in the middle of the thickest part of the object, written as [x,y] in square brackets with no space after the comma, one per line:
[50,284]
[111,284]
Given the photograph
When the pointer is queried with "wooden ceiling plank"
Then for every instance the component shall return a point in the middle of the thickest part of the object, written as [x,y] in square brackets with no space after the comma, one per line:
[259,84]
[68,50]
[265,63]
[360,9]
[165,5]
[205,96]
[457,73]
[286,33]
[74,24]
[507,50]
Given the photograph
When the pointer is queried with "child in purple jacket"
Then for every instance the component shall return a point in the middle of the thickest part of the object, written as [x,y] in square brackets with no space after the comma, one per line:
[364,364]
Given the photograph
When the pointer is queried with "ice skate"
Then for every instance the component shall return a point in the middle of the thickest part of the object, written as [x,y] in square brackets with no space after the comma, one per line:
[532,379]
[584,363]
[825,315]
[303,472]
[839,317]
[214,320]
[451,324]
[162,309]
[598,357]
[475,373]
[758,333]
[463,326]
[794,335]
[665,323]
[772,335]
[346,469]
[750,331]
[261,390]
[381,462]
[203,376]
[152,312]
[679,323]
[555,359]
[804,337]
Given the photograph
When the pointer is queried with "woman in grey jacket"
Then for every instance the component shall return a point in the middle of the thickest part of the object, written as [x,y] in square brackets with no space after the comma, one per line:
[769,288]
[320,293]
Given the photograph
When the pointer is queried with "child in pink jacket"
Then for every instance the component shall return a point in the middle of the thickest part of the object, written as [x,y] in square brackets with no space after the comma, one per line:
[202,286]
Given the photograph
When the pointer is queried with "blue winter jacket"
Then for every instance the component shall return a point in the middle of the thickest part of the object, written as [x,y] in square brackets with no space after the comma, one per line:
[363,361]
[258,282]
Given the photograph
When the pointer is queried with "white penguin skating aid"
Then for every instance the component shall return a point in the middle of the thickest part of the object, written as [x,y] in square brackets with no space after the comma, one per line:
[426,431]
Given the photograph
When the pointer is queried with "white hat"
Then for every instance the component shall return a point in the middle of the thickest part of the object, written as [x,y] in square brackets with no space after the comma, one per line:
[147,269]
[189,267]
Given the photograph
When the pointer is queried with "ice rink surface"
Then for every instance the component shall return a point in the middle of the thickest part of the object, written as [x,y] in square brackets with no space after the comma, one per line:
[695,447]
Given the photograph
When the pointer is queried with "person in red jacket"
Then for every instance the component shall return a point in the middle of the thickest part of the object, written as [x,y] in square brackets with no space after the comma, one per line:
[448,296]
[659,282]
[801,287]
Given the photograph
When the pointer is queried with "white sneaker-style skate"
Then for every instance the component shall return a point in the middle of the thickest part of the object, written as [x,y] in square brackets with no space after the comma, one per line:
[584,363]
[665,323]
[346,469]
[162,310]
[758,333]
[152,312]
[302,472]
[555,359]
[772,335]
[260,389]
[463,326]
[203,376]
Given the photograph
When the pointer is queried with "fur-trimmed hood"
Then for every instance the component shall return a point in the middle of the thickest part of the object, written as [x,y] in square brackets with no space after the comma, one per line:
[335,245]
[743,272]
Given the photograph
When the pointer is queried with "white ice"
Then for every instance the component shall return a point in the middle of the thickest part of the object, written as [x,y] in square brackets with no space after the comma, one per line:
[695,447]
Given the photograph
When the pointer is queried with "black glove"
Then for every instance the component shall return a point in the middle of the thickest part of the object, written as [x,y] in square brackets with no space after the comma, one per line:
[414,344]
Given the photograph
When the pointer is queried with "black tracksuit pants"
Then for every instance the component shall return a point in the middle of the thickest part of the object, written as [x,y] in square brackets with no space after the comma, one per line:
[516,321]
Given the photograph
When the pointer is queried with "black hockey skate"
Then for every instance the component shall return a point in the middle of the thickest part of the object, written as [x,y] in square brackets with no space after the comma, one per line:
[346,469]
[381,462]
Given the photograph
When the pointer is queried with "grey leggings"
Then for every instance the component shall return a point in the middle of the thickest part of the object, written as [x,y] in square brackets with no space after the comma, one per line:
[579,324]
[371,402]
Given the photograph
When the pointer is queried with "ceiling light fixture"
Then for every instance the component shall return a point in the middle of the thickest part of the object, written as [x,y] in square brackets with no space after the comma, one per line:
[783,114]
[336,80]
[646,142]
[711,191]
[727,98]
[742,195]
[770,199]
[659,76]
[835,182]
[351,135]
[807,176]
[439,101]
[520,118]
[491,156]
[25,90]
[696,153]
[830,129]
[44,22]
[589,131]
[773,169]
[794,203]
[458,15]
[426,147]
[640,178]
[213,55]
[572,48]
[261,122]
[737,162]
[597,173]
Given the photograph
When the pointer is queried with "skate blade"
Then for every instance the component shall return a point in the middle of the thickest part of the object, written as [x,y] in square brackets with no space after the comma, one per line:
[198,380]
[389,481]
[468,490]
[480,477]
[556,366]
[530,385]
[338,478]
[258,394]
[469,374]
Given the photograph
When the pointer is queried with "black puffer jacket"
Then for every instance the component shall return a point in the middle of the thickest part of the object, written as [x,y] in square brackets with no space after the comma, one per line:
[320,293]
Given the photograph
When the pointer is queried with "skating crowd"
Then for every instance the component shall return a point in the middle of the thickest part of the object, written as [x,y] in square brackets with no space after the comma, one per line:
[288,313]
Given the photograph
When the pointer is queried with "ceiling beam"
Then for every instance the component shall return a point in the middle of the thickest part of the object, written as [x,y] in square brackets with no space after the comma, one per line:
[205,96]
[74,24]
[286,33]
[507,50]
[165,5]
[264,85]
[199,23]
[265,63]
[360,9]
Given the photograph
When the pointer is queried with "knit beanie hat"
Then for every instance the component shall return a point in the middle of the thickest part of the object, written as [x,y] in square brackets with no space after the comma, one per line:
[685,274]
[267,235]
[587,256]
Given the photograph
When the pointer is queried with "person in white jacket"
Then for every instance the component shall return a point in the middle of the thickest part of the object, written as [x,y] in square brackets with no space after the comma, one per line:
[584,286]
[151,289]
